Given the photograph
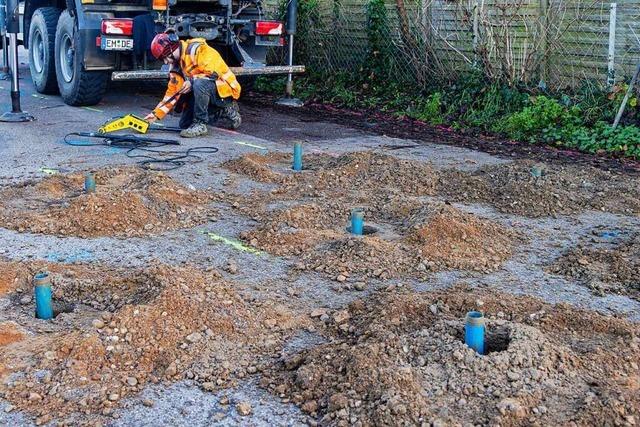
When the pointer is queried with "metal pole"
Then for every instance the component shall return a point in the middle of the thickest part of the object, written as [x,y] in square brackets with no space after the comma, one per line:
[16,114]
[612,45]
[292,13]
[626,97]
[289,89]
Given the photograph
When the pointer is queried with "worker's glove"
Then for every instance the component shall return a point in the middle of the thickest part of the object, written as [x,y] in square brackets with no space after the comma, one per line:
[150,118]
[186,86]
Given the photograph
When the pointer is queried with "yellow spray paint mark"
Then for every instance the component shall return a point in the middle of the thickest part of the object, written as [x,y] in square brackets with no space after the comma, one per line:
[93,109]
[232,242]
[248,144]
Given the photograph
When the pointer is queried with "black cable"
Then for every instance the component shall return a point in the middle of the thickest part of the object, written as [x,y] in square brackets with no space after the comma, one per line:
[134,143]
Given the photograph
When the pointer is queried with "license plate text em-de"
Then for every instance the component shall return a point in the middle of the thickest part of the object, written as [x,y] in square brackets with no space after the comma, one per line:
[116,44]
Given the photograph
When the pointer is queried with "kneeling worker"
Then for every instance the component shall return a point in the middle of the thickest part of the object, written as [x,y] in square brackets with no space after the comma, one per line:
[199,81]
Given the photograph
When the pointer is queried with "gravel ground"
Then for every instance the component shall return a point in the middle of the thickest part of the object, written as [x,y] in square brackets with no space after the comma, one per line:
[35,150]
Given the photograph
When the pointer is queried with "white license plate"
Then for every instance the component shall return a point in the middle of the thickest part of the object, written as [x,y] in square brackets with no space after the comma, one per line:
[116,44]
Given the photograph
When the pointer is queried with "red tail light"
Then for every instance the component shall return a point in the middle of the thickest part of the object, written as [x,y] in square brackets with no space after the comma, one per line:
[268,28]
[120,27]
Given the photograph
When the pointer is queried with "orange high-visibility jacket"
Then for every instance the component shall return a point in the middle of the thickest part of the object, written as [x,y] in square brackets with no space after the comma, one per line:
[197,60]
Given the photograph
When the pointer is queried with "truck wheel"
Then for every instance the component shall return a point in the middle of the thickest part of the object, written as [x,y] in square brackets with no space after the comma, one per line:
[42,35]
[77,86]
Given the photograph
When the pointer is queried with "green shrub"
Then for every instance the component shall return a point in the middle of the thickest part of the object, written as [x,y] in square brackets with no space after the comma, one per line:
[545,120]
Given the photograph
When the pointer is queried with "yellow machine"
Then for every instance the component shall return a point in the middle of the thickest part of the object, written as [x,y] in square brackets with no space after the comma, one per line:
[129,121]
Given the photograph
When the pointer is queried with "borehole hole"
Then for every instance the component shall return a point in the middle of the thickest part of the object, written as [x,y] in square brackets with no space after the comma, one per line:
[367,230]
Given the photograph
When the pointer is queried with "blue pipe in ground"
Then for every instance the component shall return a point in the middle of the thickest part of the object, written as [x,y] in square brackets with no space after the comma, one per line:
[44,307]
[474,331]
[297,156]
[89,183]
[357,221]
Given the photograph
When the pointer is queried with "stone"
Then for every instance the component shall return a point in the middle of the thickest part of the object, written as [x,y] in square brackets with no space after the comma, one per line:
[9,408]
[232,268]
[341,316]
[148,403]
[132,381]
[25,299]
[511,406]
[34,396]
[194,337]
[360,286]
[49,355]
[114,396]
[318,312]
[252,370]
[171,370]
[341,278]
[338,401]
[513,376]
[97,323]
[310,406]
[243,408]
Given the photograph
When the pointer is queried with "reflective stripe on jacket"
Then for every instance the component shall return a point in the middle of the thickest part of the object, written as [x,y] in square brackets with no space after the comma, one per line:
[198,60]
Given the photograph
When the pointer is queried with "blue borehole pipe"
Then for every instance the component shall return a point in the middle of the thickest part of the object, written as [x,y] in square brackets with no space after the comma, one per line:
[357,221]
[297,156]
[474,331]
[42,285]
[89,183]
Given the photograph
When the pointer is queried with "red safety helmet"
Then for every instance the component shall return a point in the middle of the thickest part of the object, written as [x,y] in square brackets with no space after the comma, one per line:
[164,44]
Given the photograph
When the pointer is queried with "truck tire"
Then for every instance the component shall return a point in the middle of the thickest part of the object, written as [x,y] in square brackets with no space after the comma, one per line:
[42,36]
[77,85]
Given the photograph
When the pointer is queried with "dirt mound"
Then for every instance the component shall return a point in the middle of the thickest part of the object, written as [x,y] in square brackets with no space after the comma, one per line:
[398,358]
[432,238]
[128,202]
[359,171]
[533,189]
[453,239]
[258,166]
[610,270]
[362,257]
[196,327]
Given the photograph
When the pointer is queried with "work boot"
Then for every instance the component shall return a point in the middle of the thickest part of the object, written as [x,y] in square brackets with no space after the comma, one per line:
[195,130]
[232,113]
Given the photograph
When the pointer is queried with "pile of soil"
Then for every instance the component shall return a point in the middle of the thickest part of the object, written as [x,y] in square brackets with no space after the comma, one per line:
[128,202]
[610,270]
[363,257]
[432,238]
[195,326]
[453,239]
[398,358]
[535,189]
[258,166]
[359,171]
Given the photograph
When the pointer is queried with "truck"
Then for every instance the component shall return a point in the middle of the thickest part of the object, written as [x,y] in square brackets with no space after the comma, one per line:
[76,46]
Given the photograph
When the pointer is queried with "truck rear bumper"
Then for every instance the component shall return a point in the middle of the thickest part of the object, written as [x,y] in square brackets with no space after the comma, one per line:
[238,71]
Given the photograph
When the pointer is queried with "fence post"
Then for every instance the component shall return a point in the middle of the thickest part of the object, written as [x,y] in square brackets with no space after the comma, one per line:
[476,31]
[611,76]
[544,42]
